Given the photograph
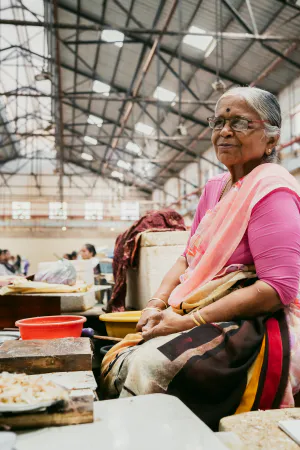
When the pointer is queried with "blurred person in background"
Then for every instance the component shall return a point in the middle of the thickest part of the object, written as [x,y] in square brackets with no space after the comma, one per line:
[18,265]
[70,256]
[5,267]
[88,251]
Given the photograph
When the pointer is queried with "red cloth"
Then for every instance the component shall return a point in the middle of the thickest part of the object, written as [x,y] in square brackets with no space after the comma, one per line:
[125,253]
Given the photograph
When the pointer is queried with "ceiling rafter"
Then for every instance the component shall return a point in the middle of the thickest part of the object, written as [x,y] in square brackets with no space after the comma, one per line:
[246,27]
[163,48]
[137,157]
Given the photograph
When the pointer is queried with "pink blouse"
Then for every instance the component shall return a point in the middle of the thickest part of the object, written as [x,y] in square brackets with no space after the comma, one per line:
[271,241]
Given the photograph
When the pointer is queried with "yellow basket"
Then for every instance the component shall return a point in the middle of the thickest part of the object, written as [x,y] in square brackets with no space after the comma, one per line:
[120,324]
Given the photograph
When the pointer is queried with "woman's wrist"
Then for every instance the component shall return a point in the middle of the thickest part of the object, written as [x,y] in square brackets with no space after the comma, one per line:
[158,303]
[189,322]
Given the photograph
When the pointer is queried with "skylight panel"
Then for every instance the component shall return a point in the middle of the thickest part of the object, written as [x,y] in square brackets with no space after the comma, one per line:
[199,42]
[116,174]
[144,129]
[134,148]
[94,120]
[123,164]
[130,211]
[164,95]
[101,88]
[90,140]
[87,156]
[113,36]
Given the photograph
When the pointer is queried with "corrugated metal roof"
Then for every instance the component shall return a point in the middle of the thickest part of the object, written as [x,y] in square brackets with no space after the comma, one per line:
[174,64]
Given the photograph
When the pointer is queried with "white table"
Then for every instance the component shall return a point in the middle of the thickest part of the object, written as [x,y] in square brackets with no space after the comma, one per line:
[150,422]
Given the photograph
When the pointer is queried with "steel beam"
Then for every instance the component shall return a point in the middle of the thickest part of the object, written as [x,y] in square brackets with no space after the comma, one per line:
[245,25]
[288,4]
[149,31]
[163,49]
[135,75]
[83,96]
[184,149]
[116,88]
[60,107]
[121,150]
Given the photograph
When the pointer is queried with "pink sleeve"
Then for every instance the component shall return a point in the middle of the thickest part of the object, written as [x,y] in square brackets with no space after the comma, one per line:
[274,240]
[200,212]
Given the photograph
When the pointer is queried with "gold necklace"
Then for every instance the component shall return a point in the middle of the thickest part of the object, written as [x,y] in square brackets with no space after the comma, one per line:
[224,188]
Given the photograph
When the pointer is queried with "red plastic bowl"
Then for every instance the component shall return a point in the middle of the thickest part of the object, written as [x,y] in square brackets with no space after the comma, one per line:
[51,327]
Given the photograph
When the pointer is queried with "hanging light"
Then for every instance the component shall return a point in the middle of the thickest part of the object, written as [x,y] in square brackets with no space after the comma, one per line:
[219,86]
[42,76]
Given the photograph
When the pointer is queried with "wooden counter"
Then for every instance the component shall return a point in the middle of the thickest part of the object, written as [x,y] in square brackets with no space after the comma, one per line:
[42,356]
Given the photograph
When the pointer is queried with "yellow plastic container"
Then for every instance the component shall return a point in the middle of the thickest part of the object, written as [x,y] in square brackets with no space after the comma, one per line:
[120,324]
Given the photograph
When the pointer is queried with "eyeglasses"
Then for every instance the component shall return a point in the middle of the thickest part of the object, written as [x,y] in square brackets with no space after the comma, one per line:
[235,123]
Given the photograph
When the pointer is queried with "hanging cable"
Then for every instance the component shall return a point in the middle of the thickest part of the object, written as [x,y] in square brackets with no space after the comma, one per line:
[217,38]
[179,6]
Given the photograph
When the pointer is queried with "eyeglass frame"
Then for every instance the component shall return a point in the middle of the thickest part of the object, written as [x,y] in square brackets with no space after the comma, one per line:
[210,119]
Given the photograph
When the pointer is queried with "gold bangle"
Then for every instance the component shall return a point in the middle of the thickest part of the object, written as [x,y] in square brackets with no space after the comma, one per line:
[146,309]
[194,319]
[156,298]
[201,318]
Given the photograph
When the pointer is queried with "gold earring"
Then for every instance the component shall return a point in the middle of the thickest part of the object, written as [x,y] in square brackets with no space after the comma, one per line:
[269,151]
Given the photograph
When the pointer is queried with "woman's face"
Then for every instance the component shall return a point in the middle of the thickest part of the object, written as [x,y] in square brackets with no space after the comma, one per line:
[85,253]
[236,148]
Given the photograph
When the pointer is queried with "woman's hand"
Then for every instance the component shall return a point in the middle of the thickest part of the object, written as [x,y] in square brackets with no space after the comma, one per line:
[144,318]
[165,323]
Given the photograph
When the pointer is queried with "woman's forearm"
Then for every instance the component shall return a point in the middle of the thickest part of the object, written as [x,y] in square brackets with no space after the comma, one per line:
[169,282]
[245,303]
[171,279]
[252,301]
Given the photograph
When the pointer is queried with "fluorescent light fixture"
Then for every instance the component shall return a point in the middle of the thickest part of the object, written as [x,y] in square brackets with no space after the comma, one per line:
[134,148]
[199,42]
[101,88]
[113,36]
[87,156]
[93,211]
[90,140]
[58,211]
[117,174]
[164,95]
[130,210]
[123,164]
[94,120]
[21,210]
[144,129]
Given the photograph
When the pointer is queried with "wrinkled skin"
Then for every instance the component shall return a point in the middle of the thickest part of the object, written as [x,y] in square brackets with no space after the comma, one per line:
[165,323]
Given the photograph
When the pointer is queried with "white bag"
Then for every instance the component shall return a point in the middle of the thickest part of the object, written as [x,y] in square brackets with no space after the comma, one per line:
[61,272]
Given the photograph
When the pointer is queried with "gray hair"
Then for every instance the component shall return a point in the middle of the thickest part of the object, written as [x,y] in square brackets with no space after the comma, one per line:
[266,106]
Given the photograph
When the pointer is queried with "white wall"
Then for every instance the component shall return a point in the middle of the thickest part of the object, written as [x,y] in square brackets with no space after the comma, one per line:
[289,99]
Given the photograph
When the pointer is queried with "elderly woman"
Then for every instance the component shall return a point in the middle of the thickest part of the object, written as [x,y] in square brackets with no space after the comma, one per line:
[220,332]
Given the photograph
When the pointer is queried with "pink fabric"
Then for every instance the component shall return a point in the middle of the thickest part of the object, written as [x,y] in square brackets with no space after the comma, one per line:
[271,241]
